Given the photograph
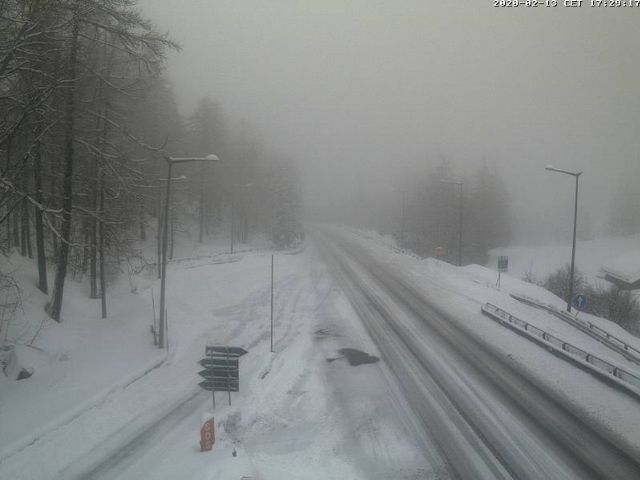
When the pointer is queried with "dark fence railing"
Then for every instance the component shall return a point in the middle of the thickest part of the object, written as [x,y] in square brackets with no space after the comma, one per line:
[614,343]
[602,369]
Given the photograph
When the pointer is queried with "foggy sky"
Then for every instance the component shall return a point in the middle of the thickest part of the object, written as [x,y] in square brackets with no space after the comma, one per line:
[364,94]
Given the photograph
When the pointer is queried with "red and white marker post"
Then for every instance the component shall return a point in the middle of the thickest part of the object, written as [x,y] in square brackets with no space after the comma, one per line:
[208,435]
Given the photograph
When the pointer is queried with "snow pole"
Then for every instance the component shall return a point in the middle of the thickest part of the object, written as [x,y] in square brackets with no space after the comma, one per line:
[272,303]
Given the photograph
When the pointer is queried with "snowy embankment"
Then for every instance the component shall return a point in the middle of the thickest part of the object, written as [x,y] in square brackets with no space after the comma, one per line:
[94,376]
[591,256]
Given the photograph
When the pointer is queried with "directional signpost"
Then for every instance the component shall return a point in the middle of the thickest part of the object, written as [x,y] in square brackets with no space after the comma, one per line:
[221,370]
[218,362]
[234,352]
[222,384]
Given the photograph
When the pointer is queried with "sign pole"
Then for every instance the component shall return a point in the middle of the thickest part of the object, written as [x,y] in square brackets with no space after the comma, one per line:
[228,379]
[271,303]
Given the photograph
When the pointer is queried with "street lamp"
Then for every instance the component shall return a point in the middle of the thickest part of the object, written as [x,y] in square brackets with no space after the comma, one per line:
[455,182]
[163,277]
[576,175]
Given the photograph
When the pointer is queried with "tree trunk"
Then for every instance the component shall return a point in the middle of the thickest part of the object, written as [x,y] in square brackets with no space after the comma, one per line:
[103,284]
[28,231]
[24,227]
[25,241]
[41,254]
[16,227]
[93,272]
[55,306]
[160,227]
[143,231]
[8,226]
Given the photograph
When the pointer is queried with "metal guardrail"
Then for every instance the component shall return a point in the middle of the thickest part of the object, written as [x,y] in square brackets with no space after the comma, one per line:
[614,343]
[603,369]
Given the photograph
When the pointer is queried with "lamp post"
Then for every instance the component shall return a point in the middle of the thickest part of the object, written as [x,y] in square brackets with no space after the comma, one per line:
[576,175]
[455,182]
[163,276]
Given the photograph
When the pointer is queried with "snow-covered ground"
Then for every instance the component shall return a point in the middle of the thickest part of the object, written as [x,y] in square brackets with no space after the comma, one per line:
[591,256]
[100,384]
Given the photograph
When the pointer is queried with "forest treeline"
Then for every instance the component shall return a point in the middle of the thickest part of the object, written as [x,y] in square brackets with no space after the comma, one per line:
[437,213]
[87,124]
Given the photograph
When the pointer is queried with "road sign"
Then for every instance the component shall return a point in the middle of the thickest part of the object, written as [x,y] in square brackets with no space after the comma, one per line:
[224,351]
[503,264]
[220,380]
[580,301]
[219,372]
[213,374]
[219,362]
[221,385]
[208,435]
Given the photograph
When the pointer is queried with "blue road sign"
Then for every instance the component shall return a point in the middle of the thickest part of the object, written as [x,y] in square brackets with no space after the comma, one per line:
[580,301]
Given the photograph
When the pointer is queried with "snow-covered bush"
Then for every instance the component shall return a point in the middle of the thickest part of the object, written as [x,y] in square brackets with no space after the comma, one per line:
[605,300]
[559,282]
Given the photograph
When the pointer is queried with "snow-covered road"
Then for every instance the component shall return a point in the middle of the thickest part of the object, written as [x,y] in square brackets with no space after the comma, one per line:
[489,418]
[303,412]
[454,395]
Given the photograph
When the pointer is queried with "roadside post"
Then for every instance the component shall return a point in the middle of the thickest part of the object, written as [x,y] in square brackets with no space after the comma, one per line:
[503,266]
[208,435]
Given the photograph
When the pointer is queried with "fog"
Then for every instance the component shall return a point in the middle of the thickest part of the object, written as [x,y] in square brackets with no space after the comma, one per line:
[366,95]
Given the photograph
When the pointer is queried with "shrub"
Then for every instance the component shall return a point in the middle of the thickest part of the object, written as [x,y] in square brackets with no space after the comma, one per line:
[559,282]
[617,305]
[607,301]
